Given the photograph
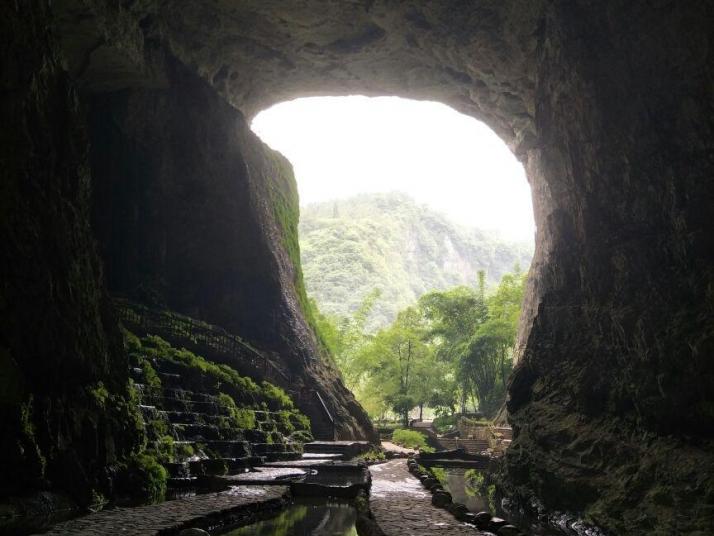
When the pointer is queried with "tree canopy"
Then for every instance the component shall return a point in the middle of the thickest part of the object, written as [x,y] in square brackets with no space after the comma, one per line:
[449,349]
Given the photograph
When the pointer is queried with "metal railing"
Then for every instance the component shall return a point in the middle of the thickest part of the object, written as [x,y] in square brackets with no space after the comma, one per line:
[200,337]
[326,413]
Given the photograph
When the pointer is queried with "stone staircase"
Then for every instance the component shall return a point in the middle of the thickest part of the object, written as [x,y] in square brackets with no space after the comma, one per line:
[196,434]
[471,446]
[346,449]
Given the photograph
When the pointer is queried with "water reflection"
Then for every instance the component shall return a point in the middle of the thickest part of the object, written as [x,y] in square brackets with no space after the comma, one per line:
[305,518]
[469,487]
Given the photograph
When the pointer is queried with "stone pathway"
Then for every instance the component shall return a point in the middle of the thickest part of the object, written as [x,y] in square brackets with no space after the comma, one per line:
[393,447]
[149,520]
[402,507]
[266,473]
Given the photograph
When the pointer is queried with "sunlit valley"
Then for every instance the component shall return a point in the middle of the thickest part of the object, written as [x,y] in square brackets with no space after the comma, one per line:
[419,312]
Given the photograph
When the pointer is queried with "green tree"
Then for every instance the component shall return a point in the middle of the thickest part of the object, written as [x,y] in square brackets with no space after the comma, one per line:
[453,316]
[450,348]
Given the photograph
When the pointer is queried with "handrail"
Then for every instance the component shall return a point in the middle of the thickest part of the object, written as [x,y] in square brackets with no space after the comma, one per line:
[201,334]
[327,412]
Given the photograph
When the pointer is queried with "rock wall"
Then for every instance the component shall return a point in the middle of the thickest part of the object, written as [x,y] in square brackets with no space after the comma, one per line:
[64,418]
[612,400]
[195,214]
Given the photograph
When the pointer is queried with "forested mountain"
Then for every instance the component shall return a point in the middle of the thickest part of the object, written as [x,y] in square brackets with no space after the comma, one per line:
[388,241]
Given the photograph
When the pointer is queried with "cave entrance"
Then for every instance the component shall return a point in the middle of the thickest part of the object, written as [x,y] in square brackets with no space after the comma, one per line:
[409,209]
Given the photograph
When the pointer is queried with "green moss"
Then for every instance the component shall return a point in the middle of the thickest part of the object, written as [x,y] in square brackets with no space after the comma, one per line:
[439,473]
[151,378]
[184,451]
[214,377]
[97,500]
[286,209]
[301,436]
[131,341]
[147,479]
[241,417]
[99,394]
[285,424]
[157,428]
[165,449]
[300,421]
[276,398]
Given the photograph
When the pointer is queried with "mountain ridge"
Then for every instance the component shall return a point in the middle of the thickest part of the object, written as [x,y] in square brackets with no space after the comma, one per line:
[389,241]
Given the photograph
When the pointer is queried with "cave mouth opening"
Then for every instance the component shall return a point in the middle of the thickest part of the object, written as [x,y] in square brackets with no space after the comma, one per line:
[360,162]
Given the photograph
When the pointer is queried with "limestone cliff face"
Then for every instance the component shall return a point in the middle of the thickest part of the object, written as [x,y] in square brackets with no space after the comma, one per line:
[612,399]
[64,417]
[195,214]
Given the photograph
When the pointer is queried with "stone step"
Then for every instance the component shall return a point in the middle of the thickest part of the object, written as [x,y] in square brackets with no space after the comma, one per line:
[230,448]
[282,456]
[178,469]
[185,394]
[187,417]
[472,446]
[346,448]
[262,448]
[170,380]
[204,432]
[188,482]
[178,404]
[320,456]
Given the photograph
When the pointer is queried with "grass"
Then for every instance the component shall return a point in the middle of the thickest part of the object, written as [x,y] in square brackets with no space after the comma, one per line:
[411,439]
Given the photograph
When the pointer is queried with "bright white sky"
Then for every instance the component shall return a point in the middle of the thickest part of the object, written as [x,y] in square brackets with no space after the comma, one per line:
[342,146]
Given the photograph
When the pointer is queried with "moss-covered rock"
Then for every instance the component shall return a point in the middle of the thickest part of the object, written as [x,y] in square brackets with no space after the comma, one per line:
[218,408]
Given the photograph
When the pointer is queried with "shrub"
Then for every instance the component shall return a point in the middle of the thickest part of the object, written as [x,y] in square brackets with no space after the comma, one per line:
[411,439]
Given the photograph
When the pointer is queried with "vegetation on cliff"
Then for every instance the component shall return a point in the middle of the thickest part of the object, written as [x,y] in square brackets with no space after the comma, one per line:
[391,243]
[234,407]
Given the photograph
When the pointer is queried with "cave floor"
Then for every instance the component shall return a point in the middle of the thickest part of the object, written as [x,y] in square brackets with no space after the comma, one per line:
[402,507]
[399,503]
[149,520]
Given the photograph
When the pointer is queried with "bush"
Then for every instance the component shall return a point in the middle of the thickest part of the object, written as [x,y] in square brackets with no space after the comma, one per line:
[410,439]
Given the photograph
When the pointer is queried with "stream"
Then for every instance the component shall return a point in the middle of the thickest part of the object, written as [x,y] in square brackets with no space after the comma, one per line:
[303,517]
[467,487]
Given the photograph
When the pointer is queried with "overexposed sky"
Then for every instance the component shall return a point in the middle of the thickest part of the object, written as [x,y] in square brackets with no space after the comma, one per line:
[342,146]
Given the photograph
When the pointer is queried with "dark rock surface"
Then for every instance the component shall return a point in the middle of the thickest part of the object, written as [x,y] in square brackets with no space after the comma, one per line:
[608,106]
[194,213]
[64,418]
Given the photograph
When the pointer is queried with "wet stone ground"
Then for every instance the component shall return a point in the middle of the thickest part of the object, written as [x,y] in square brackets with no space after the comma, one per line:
[402,507]
[149,520]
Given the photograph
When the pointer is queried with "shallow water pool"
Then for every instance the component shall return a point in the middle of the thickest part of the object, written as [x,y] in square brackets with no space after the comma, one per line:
[305,517]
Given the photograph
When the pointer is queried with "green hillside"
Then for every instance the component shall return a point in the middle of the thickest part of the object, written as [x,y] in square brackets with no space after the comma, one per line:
[390,242]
